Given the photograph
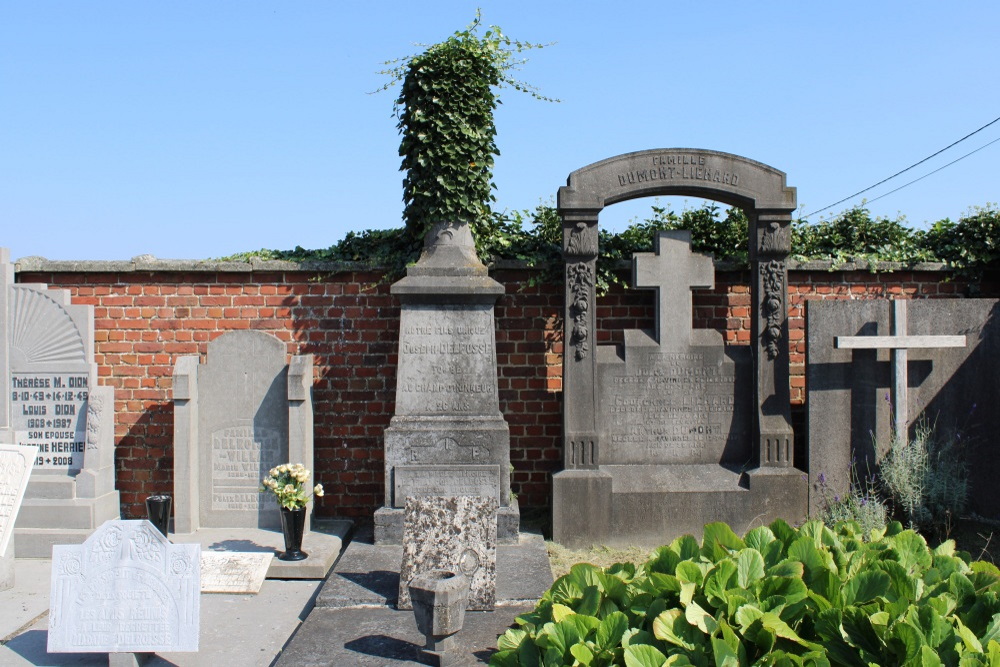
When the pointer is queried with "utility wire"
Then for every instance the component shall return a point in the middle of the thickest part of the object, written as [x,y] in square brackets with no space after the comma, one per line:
[936,170]
[915,164]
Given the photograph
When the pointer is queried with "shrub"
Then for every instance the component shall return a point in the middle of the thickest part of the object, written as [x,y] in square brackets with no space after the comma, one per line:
[926,479]
[779,596]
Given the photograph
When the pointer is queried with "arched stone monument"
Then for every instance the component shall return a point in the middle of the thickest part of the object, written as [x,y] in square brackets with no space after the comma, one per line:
[674,429]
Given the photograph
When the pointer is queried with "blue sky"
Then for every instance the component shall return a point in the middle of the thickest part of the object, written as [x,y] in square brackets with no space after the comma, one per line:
[197,129]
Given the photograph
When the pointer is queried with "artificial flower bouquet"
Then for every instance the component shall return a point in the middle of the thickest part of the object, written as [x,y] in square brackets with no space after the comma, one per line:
[287,483]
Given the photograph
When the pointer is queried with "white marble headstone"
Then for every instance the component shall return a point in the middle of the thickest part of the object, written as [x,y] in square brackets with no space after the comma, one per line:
[15,468]
[126,589]
[233,572]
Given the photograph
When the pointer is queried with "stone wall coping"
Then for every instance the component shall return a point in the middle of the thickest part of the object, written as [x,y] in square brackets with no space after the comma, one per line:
[151,264]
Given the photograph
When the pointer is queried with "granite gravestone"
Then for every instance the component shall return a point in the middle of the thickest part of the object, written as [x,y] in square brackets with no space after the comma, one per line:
[52,402]
[853,388]
[447,437]
[125,589]
[15,469]
[652,433]
[451,533]
[236,417]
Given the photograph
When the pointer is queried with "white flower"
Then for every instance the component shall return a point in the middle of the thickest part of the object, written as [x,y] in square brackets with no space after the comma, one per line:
[273,472]
[318,490]
[289,488]
[283,468]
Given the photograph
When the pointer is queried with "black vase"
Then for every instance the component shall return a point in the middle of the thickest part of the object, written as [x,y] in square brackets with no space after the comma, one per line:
[158,512]
[293,524]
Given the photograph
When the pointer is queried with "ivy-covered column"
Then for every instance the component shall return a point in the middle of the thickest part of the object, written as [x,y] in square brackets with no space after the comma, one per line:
[770,244]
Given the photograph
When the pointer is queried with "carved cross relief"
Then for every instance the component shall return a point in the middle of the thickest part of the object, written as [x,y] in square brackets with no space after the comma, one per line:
[672,270]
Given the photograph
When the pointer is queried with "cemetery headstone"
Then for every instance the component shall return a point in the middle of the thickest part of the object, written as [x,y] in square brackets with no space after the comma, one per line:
[455,533]
[447,437]
[237,416]
[125,589]
[674,429]
[15,468]
[52,402]
[874,367]
[233,572]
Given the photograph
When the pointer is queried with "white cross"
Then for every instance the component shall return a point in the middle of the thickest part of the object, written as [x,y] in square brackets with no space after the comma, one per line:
[673,271]
[898,343]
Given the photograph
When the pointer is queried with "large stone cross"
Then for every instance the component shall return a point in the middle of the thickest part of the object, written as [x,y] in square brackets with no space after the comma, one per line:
[898,343]
[673,271]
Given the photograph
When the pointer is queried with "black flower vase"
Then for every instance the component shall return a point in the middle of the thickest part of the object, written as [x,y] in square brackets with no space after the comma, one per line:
[293,524]
[158,512]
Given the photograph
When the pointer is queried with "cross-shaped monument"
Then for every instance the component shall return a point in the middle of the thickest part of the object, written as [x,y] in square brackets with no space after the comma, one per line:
[673,271]
[898,343]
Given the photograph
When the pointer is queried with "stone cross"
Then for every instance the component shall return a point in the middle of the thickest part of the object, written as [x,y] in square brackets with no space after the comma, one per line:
[672,270]
[898,343]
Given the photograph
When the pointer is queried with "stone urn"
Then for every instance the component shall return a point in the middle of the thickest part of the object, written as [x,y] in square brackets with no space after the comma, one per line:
[439,600]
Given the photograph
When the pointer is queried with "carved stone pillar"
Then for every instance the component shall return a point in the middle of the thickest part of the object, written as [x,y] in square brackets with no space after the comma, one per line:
[770,244]
[581,445]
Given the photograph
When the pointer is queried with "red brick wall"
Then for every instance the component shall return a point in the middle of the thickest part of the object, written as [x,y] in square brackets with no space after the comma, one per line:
[350,322]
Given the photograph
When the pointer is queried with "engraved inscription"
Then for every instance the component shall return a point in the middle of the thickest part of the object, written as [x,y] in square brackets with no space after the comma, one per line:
[465,480]
[670,408]
[48,411]
[447,362]
[240,456]
[678,166]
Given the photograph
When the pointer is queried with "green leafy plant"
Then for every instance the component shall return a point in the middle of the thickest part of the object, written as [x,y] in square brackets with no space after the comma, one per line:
[287,483]
[445,110]
[778,596]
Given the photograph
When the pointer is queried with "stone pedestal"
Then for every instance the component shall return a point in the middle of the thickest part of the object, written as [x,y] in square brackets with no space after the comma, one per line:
[447,437]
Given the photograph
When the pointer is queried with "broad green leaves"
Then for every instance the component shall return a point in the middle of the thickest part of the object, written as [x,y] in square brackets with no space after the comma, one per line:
[779,596]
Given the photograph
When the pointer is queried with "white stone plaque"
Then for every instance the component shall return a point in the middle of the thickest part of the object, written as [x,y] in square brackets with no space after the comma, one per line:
[126,589]
[233,572]
[15,468]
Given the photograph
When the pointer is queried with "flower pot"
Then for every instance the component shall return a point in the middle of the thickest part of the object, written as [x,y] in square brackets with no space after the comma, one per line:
[439,600]
[158,511]
[293,524]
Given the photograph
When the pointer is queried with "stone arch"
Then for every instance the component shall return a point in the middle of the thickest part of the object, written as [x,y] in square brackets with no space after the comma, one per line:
[761,191]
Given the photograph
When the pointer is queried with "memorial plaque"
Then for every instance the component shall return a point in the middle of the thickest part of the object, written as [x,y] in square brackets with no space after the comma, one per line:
[458,534]
[126,589]
[49,412]
[240,457]
[674,407]
[233,572]
[455,480]
[450,360]
[15,469]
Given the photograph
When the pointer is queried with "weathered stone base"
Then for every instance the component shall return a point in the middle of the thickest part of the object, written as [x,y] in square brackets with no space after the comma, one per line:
[652,505]
[50,515]
[389,525]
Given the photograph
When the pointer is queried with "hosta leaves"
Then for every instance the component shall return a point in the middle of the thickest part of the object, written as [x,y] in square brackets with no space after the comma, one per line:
[672,627]
[866,587]
[719,541]
[611,630]
[700,618]
[749,567]
[644,655]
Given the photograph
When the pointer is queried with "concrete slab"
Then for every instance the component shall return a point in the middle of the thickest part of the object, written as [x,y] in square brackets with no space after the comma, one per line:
[355,621]
[244,630]
[323,544]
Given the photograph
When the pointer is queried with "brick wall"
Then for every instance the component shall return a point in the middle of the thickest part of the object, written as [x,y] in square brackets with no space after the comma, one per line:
[145,319]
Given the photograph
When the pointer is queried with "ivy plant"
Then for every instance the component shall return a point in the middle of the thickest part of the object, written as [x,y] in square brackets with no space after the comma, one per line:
[445,111]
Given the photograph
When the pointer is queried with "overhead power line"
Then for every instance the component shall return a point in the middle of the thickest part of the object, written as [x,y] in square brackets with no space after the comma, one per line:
[915,164]
[936,170]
